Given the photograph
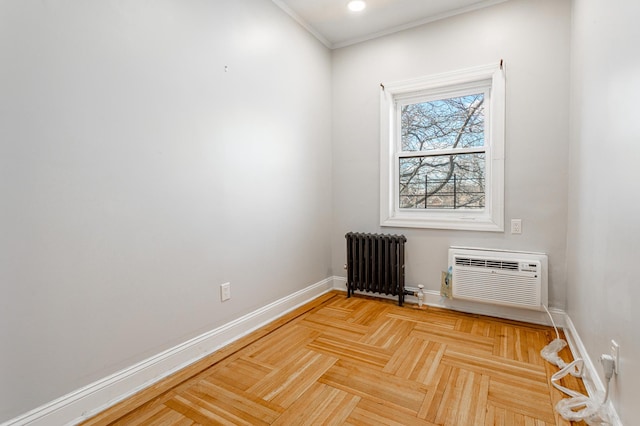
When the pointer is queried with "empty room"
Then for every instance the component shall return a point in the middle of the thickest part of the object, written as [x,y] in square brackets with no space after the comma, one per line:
[319,212]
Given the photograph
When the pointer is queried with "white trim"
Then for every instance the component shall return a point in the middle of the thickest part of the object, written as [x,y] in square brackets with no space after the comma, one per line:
[591,378]
[84,403]
[465,78]
[479,5]
[592,381]
[491,78]
[398,28]
[286,9]
[433,298]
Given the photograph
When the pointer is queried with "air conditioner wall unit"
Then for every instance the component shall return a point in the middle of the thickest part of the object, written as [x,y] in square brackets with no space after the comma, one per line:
[500,277]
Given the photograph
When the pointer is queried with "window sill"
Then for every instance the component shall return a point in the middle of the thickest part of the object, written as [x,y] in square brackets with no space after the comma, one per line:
[454,223]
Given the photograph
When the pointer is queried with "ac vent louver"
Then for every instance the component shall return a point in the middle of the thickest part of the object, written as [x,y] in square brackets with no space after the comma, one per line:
[485,263]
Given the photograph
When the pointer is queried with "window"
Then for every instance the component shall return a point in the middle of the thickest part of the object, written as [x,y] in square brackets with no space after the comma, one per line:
[442,151]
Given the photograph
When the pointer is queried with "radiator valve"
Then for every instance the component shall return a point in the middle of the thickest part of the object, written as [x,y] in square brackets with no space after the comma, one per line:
[420,295]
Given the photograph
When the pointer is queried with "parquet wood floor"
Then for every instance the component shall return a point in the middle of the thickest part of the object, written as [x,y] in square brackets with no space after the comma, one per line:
[363,361]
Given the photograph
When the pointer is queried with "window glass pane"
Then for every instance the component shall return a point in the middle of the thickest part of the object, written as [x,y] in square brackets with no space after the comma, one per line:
[443,124]
[443,182]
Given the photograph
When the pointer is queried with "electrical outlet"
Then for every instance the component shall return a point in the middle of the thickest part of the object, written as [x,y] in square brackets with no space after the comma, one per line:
[615,353]
[225,291]
[516,226]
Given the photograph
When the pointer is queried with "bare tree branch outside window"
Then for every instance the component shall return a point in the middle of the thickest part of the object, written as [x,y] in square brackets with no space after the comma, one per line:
[446,180]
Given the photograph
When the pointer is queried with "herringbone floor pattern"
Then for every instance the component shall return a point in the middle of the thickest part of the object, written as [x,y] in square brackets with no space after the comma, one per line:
[363,361]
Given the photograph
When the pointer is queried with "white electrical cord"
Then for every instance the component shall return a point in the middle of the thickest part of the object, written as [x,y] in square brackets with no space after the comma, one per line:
[552,350]
[593,412]
[552,321]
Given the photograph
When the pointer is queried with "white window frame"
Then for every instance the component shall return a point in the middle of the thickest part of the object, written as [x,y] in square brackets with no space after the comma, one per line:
[490,80]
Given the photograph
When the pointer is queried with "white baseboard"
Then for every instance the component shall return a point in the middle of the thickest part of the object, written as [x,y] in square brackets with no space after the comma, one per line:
[591,380]
[595,387]
[84,403]
[433,298]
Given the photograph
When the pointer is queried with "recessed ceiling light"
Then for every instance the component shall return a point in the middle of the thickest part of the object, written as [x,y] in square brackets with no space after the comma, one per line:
[356,5]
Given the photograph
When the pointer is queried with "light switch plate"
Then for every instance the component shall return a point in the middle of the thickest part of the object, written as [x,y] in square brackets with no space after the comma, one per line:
[225,291]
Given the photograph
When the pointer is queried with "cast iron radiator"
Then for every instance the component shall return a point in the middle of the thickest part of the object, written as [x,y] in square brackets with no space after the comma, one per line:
[375,263]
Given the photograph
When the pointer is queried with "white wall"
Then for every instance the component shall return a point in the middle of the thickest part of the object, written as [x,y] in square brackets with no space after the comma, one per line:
[603,243]
[136,175]
[533,39]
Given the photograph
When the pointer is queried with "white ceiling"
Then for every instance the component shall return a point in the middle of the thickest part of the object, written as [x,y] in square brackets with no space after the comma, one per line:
[335,26]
